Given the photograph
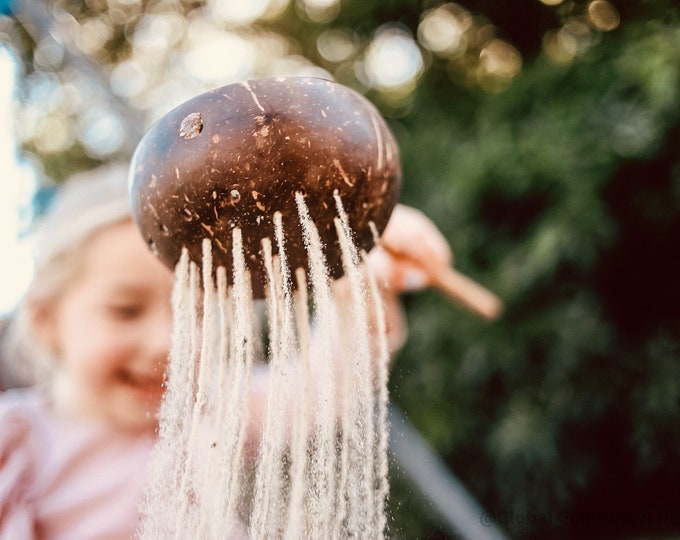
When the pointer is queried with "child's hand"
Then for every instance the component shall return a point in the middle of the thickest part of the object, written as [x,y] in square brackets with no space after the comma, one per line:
[412,254]
[410,251]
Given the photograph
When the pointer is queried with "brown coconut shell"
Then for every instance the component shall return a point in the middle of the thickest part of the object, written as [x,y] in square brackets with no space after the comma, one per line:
[234,156]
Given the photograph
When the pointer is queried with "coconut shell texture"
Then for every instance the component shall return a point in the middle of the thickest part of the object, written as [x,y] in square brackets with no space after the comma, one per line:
[234,156]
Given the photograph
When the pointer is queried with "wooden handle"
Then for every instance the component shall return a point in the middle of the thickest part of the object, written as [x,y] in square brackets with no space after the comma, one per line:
[466,292]
[459,288]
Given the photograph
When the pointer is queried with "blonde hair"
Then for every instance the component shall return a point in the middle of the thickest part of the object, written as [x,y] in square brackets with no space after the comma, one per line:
[85,204]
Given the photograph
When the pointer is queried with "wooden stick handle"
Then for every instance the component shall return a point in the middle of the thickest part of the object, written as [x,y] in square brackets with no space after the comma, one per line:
[460,288]
[466,292]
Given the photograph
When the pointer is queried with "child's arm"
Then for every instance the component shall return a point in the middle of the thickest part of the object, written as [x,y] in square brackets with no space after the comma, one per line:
[410,247]
[412,254]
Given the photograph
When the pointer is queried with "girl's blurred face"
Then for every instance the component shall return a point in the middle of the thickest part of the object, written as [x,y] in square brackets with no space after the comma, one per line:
[110,329]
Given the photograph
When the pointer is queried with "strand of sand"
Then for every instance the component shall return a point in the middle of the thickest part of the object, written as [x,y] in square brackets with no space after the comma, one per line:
[360,432]
[382,362]
[300,424]
[181,449]
[163,475]
[322,462]
[239,381]
[223,445]
[190,515]
[290,365]
[269,490]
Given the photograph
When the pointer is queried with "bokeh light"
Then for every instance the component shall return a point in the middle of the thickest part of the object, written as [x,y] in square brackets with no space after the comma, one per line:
[128,79]
[500,59]
[581,29]
[237,12]
[93,35]
[318,11]
[442,30]
[214,56]
[101,132]
[393,59]
[603,15]
[337,45]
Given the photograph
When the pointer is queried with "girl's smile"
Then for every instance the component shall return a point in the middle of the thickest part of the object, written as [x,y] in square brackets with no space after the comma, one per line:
[148,385]
[110,331]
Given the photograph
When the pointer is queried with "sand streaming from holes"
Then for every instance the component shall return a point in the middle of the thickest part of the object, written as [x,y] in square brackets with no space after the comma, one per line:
[318,466]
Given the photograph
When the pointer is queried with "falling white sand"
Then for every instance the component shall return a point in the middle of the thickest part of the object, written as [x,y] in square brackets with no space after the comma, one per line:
[317,466]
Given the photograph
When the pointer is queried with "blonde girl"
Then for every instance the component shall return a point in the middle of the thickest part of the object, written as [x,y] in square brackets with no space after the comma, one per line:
[93,334]
[91,341]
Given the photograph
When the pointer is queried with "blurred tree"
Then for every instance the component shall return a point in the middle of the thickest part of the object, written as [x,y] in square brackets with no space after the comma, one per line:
[542,138]
[561,193]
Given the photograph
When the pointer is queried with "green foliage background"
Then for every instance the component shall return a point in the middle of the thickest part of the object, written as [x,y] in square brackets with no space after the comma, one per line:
[561,193]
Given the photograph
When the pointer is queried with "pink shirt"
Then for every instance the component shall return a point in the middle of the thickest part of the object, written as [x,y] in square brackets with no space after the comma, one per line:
[66,480]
